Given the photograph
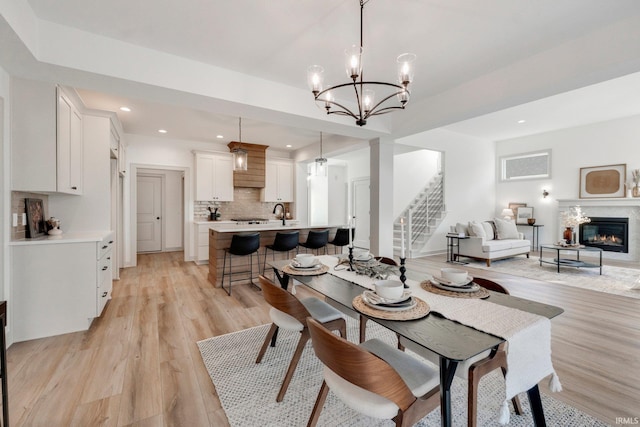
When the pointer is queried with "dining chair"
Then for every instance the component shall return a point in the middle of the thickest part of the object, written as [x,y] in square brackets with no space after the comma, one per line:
[316,240]
[387,261]
[477,367]
[373,378]
[291,314]
[242,244]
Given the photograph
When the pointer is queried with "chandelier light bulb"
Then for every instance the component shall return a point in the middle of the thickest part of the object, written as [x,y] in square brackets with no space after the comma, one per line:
[368,100]
[354,61]
[406,68]
[315,78]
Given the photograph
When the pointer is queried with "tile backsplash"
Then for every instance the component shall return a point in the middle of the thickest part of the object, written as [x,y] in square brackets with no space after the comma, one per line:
[18,207]
[246,204]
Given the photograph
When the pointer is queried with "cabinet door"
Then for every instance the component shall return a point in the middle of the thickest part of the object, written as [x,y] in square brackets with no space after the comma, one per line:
[76,154]
[223,178]
[285,182]
[270,190]
[122,159]
[69,147]
[204,177]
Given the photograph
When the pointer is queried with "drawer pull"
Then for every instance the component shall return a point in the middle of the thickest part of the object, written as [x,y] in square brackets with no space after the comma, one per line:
[105,247]
[104,268]
[110,241]
[108,257]
[104,294]
[74,188]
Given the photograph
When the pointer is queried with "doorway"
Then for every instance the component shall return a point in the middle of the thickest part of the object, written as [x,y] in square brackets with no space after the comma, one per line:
[361,210]
[149,212]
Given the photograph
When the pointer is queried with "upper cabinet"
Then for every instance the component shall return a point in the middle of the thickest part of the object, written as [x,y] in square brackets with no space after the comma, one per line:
[279,181]
[118,150]
[214,177]
[47,139]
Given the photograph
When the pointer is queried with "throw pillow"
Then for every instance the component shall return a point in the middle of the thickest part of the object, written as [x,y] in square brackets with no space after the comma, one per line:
[461,228]
[476,229]
[489,230]
[506,229]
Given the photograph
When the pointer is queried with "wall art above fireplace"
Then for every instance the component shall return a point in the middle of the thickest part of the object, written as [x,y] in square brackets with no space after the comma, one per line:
[602,181]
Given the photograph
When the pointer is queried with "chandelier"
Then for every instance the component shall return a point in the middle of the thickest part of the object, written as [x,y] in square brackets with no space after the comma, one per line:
[364,90]
[239,154]
[321,162]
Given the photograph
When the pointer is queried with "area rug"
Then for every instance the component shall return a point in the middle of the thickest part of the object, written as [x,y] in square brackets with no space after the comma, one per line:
[614,280]
[247,390]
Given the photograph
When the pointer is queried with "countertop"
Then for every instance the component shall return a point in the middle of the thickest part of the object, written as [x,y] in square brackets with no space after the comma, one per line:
[231,227]
[79,237]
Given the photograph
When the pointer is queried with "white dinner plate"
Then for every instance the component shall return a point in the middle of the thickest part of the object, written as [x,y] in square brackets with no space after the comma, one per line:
[311,267]
[451,284]
[412,303]
[372,296]
[473,288]
[363,258]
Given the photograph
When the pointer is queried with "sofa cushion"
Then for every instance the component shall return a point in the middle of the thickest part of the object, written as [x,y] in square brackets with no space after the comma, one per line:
[462,228]
[496,245]
[488,230]
[506,229]
[476,229]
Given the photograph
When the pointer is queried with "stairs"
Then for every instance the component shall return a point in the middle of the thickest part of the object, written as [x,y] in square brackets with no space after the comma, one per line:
[421,218]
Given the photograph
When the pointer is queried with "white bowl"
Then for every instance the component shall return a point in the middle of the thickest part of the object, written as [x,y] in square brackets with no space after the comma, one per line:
[454,275]
[361,254]
[389,289]
[305,260]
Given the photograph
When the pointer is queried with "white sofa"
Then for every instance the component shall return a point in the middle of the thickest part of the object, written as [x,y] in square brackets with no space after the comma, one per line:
[490,240]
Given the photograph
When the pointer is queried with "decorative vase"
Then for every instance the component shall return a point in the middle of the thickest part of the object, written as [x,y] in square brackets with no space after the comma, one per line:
[568,235]
[636,191]
[531,221]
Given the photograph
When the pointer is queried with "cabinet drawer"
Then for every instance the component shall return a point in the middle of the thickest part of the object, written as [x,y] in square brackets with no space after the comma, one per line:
[203,238]
[105,246]
[103,295]
[104,269]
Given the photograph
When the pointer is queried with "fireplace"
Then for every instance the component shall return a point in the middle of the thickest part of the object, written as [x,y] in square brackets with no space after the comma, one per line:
[608,234]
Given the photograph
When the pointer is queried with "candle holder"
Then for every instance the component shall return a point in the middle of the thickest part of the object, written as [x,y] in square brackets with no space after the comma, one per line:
[403,269]
[351,258]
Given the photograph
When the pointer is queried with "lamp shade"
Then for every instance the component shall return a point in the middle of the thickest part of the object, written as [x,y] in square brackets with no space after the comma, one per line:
[507,213]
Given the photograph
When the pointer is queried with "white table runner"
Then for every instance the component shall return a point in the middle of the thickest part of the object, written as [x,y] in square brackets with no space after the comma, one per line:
[528,335]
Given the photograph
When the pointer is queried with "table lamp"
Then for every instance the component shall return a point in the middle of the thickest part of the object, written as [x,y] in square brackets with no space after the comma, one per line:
[507,213]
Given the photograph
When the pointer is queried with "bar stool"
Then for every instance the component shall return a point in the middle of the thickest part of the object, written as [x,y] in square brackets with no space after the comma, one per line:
[284,242]
[316,240]
[242,244]
[341,238]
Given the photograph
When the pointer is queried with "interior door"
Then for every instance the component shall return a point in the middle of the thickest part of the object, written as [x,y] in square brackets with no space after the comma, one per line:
[360,208]
[149,205]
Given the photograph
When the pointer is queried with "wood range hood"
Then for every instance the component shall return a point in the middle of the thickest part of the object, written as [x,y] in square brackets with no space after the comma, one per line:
[254,176]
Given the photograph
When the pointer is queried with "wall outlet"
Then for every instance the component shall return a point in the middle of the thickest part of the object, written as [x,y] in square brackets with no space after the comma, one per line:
[24,218]
[15,219]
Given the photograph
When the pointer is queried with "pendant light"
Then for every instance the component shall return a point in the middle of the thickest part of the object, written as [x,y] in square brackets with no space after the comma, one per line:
[240,155]
[320,168]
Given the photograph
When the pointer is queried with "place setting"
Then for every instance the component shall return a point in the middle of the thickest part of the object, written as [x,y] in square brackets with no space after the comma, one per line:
[456,283]
[305,265]
[390,300]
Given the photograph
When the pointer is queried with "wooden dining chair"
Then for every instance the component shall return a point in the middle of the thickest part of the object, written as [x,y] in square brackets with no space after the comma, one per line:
[477,367]
[387,261]
[373,378]
[289,313]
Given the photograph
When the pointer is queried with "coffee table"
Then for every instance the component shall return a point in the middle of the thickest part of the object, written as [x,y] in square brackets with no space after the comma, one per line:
[569,262]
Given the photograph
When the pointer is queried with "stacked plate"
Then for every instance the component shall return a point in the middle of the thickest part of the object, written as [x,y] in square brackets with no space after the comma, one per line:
[405,302]
[447,285]
[314,265]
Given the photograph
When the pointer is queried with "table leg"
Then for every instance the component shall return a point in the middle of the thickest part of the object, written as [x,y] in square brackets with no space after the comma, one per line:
[536,406]
[558,259]
[601,263]
[447,373]
[284,284]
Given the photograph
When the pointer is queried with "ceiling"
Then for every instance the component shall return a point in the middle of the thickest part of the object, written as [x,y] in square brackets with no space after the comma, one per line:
[482,66]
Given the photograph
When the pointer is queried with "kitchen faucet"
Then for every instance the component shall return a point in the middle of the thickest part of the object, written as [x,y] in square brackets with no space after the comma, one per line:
[283,216]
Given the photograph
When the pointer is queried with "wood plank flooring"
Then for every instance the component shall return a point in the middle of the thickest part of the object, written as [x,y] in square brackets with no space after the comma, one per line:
[138,365]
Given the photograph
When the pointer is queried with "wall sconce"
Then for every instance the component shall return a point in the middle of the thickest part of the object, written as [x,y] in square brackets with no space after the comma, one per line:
[545,193]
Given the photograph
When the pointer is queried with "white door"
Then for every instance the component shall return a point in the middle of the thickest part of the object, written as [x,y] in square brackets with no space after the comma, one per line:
[149,205]
[360,209]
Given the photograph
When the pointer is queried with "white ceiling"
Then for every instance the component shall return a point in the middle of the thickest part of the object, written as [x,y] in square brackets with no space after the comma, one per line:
[474,58]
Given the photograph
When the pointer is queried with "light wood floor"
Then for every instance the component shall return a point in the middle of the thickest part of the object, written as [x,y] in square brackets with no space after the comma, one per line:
[138,365]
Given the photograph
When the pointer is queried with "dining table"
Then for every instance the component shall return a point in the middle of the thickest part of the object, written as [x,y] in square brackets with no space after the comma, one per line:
[452,341]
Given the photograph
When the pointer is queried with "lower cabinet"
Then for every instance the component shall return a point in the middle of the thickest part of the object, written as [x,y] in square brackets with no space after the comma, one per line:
[59,286]
[202,250]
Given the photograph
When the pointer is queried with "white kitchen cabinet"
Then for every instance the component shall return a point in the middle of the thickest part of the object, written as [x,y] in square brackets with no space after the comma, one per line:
[118,150]
[214,177]
[202,249]
[47,139]
[59,285]
[278,182]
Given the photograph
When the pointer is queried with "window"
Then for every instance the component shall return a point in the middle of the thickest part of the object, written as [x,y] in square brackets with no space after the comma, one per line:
[526,166]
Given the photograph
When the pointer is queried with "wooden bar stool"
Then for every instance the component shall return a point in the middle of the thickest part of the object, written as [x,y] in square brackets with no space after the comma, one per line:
[242,244]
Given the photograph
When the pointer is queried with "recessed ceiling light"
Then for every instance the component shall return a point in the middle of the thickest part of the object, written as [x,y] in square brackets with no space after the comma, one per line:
[162,131]
[289,145]
[219,136]
[127,109]
[521,121]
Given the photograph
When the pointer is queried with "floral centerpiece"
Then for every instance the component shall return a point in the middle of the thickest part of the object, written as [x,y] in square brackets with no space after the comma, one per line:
[570,219]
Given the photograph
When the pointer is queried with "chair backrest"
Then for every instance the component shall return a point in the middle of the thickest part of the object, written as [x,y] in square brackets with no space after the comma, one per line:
[282,300]
[244,243]
[358,366]
[286,241]
[317,239]
[490,285]
[341,238]
[385,260]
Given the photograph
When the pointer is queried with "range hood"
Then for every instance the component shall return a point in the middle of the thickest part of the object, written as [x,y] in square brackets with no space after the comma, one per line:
[254,176]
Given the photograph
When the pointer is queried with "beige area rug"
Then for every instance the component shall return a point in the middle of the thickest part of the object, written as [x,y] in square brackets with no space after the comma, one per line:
[248,390]
[614,280]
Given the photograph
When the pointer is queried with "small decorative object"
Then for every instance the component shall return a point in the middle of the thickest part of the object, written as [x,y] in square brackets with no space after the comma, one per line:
[602,181]
[213,214]
[570,219]
[35,218]
[523,214]
[403,270]
[507,213]
[635,176]
[53,224]
[531,221]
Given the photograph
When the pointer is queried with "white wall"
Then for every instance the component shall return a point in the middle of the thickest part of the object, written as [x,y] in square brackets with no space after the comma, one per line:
[411,173]
[5,198]
[604,143]
[338,193]
[469,174]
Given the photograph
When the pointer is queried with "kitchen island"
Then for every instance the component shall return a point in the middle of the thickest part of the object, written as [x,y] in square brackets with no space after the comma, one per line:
[220,238]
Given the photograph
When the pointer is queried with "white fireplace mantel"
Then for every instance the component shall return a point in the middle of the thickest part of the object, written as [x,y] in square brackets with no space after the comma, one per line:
[612,202]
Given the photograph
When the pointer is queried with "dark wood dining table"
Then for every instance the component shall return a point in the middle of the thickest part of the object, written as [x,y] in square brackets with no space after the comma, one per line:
[452,341]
